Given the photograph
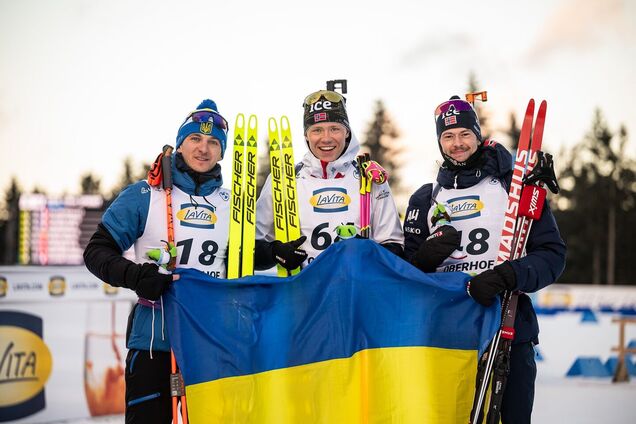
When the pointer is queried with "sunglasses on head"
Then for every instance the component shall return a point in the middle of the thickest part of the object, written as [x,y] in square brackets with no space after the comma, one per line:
[451,106]
[332,96]
[208,115]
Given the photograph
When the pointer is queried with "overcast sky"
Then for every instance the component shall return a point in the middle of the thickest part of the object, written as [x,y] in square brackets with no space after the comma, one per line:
[84,84]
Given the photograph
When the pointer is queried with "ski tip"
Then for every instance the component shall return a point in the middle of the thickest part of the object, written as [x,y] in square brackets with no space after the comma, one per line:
[284,122]
[252,122]
[272,124]
[239,121]
[530,109]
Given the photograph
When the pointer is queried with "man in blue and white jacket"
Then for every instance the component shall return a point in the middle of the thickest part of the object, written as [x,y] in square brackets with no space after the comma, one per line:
[472,185]
[138,218]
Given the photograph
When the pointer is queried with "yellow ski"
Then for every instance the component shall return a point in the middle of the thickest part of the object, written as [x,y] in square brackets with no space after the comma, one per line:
[289,178]
[236,212]
[278,188]
[249,197]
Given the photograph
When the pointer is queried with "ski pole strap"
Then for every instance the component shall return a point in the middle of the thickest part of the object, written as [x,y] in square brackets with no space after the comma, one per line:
[374,172]
[154,174]
[543,172]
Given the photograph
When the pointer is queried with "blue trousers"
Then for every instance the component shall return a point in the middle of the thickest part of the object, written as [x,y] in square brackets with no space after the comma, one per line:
[518,397]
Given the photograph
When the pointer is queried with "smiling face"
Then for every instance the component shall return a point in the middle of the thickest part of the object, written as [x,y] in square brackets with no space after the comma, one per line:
[459,143]
[201,152]
[327,140]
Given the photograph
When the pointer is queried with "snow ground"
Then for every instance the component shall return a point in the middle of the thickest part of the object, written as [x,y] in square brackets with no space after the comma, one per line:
[559,399]
[583,401]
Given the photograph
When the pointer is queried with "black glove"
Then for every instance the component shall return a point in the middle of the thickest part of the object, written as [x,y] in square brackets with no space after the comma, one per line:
[151,283]
[437,247]
[288,254]
[485,286]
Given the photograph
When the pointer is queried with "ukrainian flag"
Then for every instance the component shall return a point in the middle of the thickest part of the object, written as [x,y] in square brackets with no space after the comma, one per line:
[359,336]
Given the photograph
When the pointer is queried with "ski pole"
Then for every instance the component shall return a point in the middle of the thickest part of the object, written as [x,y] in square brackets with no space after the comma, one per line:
[176,380]
[360,159]
[508,234]
[367,199]
[166,168]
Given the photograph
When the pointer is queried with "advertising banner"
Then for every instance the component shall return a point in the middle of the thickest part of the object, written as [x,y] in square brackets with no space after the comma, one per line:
[62,344]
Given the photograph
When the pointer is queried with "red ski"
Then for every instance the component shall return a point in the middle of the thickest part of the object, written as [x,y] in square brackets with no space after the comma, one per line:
[525,203]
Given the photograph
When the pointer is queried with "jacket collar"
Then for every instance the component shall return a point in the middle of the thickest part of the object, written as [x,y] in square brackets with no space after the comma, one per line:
[194,183]
[312,166]
[495,161]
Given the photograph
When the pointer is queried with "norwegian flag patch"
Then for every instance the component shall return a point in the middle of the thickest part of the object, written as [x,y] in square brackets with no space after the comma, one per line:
[320,117]
[450,120]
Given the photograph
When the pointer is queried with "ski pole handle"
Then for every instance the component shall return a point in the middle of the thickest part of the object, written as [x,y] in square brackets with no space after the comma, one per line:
[166,170]
[478,95]
[166,166]
[375,173]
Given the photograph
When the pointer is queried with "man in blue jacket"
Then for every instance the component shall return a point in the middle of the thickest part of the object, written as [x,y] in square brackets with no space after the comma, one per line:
[137,217]
[455,225]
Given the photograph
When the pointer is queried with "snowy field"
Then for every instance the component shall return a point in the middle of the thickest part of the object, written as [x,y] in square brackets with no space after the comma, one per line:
[580,400]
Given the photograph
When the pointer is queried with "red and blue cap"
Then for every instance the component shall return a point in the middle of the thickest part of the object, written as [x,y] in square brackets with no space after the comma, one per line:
[456,113]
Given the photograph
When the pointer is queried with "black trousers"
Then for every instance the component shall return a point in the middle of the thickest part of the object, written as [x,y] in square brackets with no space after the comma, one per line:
[148,387]
[518,397]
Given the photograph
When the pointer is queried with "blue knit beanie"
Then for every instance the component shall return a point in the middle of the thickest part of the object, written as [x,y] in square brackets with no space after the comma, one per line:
[217,126]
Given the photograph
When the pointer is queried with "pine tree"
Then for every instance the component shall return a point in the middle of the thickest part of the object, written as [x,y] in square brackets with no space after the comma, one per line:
[130,176]
[484,121]
[90,184]
[381,143]
[513,132]
[598,202]
[9,223]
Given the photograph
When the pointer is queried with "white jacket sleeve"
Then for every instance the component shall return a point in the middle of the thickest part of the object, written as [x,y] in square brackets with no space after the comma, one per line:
[264,213]
[385,220]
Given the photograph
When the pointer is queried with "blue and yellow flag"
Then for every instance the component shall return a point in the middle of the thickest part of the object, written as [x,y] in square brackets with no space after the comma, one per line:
[359,336]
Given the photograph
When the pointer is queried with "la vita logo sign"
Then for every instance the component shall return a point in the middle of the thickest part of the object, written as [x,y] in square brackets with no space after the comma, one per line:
[25,365]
